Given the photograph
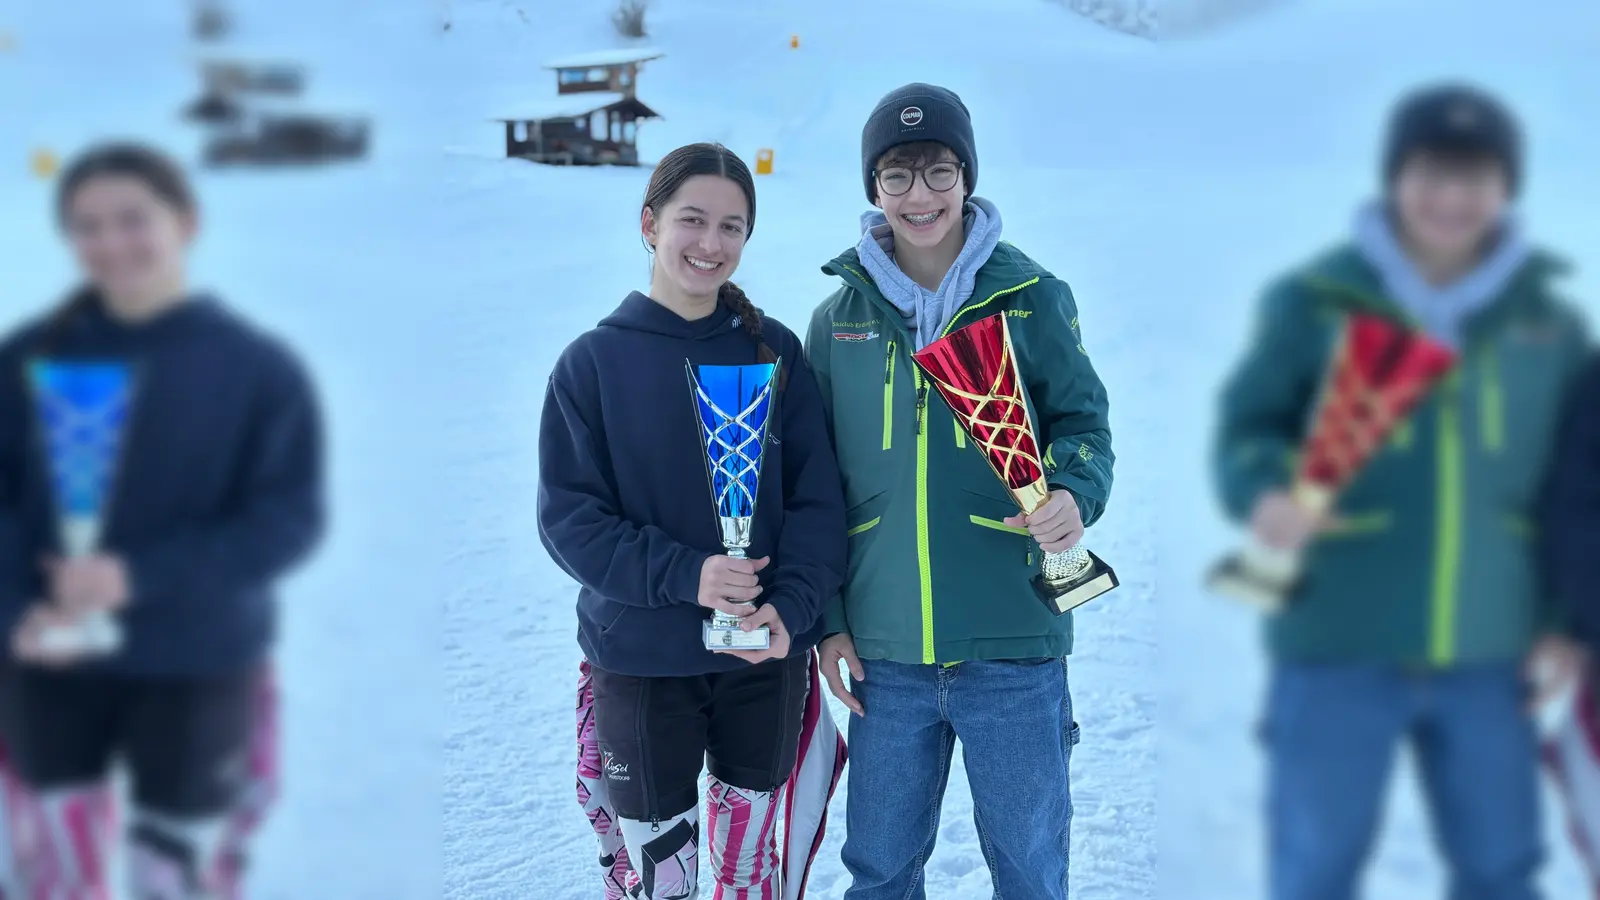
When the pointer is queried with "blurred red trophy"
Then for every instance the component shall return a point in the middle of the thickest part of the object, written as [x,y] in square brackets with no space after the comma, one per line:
[1378,372]
[975,370]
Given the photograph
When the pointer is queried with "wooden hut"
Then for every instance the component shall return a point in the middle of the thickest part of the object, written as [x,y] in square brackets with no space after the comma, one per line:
[594,117]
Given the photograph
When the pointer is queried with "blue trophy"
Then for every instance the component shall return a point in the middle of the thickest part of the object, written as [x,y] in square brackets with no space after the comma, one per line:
[82,409]
[733,405]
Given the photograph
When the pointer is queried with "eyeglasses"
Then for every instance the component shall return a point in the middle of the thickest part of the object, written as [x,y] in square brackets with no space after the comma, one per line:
[939,177]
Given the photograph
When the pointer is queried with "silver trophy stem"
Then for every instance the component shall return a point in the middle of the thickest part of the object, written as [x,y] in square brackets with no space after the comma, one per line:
[722,631]
[96,633]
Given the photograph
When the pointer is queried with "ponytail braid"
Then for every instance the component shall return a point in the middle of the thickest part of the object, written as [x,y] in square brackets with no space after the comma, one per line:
[733,297]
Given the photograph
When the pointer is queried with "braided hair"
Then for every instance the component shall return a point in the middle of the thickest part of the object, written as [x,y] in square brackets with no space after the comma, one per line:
[714,159]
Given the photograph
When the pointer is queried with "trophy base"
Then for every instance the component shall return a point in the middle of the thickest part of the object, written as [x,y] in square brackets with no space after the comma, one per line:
[729,636]
[1063,597]
[1260,577]
[96,635]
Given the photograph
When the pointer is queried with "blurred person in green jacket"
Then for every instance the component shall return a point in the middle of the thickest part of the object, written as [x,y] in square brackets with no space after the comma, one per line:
[1420,608]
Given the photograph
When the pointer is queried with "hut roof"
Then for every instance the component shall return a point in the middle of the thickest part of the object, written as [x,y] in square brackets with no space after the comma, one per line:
[618,57]
[573,106]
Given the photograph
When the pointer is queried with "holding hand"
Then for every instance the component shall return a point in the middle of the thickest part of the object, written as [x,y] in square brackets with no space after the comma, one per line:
[1282,523]
[97,583]
[729,585]
[27,640]
[1554,665]
[1057,525]
[778,649]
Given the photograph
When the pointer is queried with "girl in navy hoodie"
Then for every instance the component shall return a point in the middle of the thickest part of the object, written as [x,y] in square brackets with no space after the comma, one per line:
[625,510]
[217,493]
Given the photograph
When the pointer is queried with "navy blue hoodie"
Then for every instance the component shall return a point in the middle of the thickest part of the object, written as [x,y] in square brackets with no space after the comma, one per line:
[624,506]
[218,489]
[1569,526]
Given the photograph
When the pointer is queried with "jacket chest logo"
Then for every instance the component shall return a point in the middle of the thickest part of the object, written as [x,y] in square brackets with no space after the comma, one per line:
[855,337]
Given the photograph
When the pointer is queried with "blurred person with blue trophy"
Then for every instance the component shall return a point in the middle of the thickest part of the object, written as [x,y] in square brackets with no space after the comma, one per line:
[1418,367]
[703,521]
[160,469]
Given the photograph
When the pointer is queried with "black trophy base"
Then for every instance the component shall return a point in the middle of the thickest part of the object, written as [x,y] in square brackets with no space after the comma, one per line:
[1061,599]
[729,636]
[1266,588]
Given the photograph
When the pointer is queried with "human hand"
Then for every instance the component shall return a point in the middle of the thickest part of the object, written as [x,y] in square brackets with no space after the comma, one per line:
[830,652]
[729,585]
[1057,525]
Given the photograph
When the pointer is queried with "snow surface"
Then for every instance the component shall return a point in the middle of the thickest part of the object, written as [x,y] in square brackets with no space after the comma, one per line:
[430,746]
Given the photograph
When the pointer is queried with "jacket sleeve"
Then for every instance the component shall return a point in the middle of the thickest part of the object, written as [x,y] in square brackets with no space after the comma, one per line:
[1569,514]
[15,578]
[278,517]
[1069,402]
[1264,402]
[817,357]
[581,523]
[812,545]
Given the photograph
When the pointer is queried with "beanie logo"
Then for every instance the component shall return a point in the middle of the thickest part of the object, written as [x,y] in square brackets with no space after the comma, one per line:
[911,115]
[1463,115]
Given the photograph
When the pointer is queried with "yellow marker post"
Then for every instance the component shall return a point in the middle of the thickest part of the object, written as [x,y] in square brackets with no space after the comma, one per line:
[44,163]
[794,42]
[764,161]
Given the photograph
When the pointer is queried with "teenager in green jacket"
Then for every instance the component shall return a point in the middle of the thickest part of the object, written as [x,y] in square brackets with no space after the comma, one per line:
[936,622]
[1420,603]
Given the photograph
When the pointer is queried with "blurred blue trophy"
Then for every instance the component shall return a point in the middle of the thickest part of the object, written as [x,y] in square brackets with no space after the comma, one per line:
[82,409]
[733,405]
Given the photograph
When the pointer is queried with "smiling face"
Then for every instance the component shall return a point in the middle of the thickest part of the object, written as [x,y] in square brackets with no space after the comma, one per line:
[128,240]
[698,236]
[921,189]
[1448,205]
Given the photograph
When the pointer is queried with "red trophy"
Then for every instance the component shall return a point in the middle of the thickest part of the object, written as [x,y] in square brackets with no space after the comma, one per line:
[975,371]
[1378,372]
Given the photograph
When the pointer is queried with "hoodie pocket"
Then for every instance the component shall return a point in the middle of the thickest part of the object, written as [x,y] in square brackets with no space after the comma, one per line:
[612,619]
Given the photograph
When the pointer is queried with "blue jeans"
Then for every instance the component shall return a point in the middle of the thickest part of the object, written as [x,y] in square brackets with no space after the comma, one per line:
[1014,719]
[1331,733]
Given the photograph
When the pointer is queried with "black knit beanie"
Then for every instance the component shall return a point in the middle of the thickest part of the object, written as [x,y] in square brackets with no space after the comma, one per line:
[1453,120]
[917,112]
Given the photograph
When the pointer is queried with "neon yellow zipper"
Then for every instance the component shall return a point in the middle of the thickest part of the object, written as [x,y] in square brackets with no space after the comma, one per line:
[966,309]
[997,525]
[888,397]
[864,526]
[924,564]
[1447,537]
[1367,523]
[1491,411]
